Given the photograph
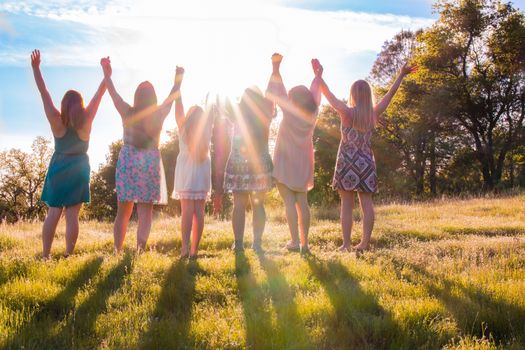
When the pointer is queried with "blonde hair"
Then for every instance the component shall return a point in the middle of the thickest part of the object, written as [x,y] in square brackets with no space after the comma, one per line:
[361,101]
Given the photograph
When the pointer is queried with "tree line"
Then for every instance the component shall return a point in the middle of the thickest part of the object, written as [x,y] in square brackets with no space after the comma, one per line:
[456,126]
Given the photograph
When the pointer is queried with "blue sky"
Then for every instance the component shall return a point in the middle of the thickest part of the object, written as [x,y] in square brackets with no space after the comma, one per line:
[224,46]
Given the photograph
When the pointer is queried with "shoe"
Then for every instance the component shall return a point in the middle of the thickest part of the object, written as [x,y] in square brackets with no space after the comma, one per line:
[193,257]
[292,247]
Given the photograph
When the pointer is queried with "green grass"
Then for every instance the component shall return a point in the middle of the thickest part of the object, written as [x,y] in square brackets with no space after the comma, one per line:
[446,274]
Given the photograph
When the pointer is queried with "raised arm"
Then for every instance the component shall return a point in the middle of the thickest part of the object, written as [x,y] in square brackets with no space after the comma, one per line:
[337,104]
[52,113]
[315,87]
[179,107]
[91,109]
[276,92]
[165,107]
[385,101]
[122,107]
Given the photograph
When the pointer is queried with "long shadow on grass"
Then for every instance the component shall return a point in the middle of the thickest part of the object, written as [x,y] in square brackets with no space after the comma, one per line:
[80,327]
[259,333]
[171,320]
[359,322]
[30,335]
[290,326]
[475,312]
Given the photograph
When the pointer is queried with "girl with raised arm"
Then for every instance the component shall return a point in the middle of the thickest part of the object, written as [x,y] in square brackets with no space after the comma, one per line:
[67,181]
[139,175]
[249,168]
[293,158]
[355,169]
[192,170]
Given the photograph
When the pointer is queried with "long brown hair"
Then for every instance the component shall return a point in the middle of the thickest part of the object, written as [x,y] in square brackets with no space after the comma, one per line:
[145,97]
[193,132]
[141,117]
[362,101]
[72,110]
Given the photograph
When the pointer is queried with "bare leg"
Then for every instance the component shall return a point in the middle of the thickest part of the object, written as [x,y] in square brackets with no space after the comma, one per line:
[367,208]
[72,227]
[49,228]
[291,214]
[124,211]
[259,218]
[145,214]
[187,209]
[347,207]
[198,226]
[240,201]
[304,216]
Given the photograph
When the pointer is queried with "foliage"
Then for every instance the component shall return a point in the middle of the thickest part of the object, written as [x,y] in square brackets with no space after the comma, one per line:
[22,178]
[326,144]
[103,204]
[473,55]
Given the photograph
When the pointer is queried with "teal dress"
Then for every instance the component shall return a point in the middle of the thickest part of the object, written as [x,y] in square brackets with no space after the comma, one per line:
[67,179]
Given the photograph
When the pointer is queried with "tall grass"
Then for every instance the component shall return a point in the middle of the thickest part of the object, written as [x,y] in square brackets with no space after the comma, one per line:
[447,274]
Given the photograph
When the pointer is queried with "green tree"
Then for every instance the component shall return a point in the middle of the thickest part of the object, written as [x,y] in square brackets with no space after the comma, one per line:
[326,143]
[103,204]
[169,152]
[474,55]
[22,179]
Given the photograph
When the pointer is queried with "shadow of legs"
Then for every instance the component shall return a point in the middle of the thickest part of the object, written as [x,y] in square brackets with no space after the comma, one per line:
[290,326]
[359,319]
[171,320]
[32,334]
[259,333]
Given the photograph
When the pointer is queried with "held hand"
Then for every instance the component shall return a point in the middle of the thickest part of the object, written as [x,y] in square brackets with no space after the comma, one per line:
[106,66]
[35,59]
[179,74]
[276,60]
[317,68]
[407,69]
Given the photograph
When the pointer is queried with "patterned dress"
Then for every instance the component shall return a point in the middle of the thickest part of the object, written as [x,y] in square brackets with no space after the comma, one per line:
[67,179]
[249,167]
[355,168]
[247,171]
[140,176]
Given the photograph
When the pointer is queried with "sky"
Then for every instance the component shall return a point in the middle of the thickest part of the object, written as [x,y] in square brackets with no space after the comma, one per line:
[224,46]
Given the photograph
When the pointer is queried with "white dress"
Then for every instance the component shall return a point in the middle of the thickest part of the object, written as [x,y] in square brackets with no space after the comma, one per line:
[192,178]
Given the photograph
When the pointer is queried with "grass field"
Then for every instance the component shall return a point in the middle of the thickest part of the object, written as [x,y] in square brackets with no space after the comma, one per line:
[443,274]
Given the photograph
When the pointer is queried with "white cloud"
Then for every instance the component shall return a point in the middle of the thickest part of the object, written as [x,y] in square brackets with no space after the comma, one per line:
[6,27]
[224,46]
